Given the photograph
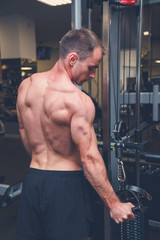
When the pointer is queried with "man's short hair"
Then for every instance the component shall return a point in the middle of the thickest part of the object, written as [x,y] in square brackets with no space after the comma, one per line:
[82,41]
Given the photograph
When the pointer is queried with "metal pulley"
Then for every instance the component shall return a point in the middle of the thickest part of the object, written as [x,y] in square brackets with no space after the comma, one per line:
[120,130]
[136,195]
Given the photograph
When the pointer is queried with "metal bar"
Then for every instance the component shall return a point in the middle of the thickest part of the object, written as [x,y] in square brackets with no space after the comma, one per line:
[106,103]
[90,27]
[151,157]
[155,103]
[76,18]
[89,18]
[138,74]
[76,9]
[151,2]
[114,60]
[105,62]
[153,223]
[138,78]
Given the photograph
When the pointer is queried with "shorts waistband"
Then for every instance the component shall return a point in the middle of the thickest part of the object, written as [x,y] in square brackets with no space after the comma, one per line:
[57,173]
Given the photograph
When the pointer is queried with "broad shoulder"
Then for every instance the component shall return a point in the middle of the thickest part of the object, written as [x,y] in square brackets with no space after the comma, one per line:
[84,107]
[24,84]
[33,78]
[84,99]
[32,88]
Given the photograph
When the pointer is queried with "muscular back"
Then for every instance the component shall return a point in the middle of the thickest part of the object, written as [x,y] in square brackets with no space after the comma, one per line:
[45,109]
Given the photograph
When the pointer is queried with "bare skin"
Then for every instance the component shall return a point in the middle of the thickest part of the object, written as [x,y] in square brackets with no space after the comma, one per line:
[56,126]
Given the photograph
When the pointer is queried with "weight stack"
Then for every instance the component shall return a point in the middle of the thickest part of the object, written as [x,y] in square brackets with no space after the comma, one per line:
[132,230]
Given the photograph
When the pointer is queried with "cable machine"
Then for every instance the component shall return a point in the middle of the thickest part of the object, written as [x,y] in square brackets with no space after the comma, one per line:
[114,130]
[111,104]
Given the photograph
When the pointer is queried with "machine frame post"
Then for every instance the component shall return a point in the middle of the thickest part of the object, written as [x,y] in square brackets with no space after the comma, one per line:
[110,30]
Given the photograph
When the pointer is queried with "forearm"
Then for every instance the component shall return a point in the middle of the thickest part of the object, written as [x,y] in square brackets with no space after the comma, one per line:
[84,137]
[96,173]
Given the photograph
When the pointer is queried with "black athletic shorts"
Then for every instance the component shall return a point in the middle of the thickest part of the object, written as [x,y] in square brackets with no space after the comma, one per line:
[55,205]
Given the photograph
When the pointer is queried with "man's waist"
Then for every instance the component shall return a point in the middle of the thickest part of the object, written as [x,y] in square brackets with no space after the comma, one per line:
[56,164]
[57,173]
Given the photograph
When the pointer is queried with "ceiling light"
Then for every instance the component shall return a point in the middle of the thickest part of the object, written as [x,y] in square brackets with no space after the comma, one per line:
[157,61]
[26,68]
[55,2]
[146,33]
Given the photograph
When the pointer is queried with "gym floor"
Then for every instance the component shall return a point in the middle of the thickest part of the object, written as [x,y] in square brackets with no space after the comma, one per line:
[14,162]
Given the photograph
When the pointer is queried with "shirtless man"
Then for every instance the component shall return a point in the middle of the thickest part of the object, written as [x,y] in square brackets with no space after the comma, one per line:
[56,127]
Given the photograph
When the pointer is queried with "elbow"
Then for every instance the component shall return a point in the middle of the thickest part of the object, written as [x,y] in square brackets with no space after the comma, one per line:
[90,157]
[93,162]
[87,161]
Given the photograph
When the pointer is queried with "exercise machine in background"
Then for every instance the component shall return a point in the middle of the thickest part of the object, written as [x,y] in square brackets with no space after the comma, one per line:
[9,193]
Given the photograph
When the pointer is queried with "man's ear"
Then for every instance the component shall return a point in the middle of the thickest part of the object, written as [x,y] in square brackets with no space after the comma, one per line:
[72,58]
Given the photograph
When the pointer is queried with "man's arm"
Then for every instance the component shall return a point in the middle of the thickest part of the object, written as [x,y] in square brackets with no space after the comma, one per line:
[83,135]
